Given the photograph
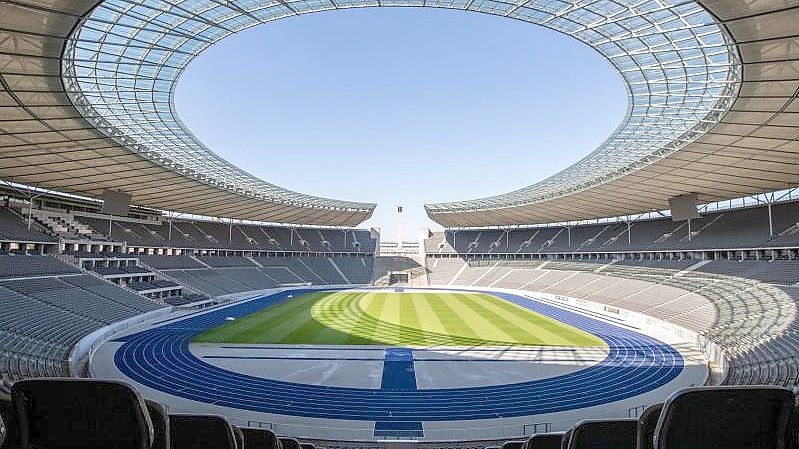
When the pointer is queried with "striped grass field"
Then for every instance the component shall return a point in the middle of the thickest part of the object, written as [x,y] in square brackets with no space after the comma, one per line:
[420,319]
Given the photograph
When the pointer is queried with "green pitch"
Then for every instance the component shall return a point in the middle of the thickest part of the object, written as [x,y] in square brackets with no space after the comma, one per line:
[398,319]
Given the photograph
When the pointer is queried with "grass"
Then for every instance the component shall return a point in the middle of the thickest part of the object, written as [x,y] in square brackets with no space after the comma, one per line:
[419,319]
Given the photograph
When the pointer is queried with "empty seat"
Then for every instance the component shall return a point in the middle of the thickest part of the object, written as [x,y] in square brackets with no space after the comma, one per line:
[239,437]
[201,432]
[513,445]
[260,439]
[567,436]
[604,434]
[545,441]
[647,423]
[725,417]
[160,420]
[80,414]
[290,443]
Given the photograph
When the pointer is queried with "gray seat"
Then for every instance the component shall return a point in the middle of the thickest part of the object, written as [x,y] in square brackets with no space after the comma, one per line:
[260,439]
[733,417]
[545,441]
[80,414]
[513,445]
[290,443]
[564,441]
[160,420]
[604,434]
[201,432]
[239,437]
[647,423]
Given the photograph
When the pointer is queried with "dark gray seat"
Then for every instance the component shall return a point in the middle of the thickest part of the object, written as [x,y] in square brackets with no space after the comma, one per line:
[201,432]
[647,423]
[731,417]
[260,439]
[290,443]
[513,445]
[80,414]
[567,436]
[604,434]
[545,441]
[239,437]
[160,420]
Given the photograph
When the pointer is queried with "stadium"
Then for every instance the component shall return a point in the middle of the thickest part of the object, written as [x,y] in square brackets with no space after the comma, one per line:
[155,295]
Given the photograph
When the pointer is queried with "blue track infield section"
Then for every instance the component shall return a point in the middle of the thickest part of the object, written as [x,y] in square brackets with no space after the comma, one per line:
[159,358]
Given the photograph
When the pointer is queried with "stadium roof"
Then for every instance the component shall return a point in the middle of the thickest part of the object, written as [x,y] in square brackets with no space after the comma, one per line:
[713,111]
[87,104]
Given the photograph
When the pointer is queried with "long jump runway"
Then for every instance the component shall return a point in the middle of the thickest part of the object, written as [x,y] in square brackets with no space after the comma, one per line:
[160,359]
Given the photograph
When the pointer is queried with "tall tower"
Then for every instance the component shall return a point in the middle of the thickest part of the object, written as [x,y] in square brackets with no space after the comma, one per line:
[400,231]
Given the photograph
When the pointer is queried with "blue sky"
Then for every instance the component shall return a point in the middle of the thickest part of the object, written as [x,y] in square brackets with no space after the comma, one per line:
[401,106]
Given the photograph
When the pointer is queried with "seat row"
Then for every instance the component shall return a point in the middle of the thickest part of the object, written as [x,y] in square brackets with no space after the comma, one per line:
[94,414]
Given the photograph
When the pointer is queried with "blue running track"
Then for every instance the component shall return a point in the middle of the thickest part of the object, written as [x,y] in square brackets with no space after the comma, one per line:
[159,358]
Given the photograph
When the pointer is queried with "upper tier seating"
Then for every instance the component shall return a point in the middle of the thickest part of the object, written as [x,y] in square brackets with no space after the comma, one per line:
[218,235]
[13,228]
[732,229]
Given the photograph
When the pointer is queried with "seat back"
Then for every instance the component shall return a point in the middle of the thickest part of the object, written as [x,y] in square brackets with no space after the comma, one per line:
[647,423]
[239,437]
[730,417]
[604,434]
[513,445]
[201,432]
[545,441]
[160,420]
[289,443]
[567,436]
[81,414]
[260,439]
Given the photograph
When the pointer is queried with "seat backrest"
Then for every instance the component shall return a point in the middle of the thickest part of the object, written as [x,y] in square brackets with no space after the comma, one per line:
[81,414]
[793,430]
[545,441]
[729,417]
[289,443]
[201,432]
[513,445]
[239,437]
[160,420]
[260,439]
[567,436]
[604,434]
[647,423]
